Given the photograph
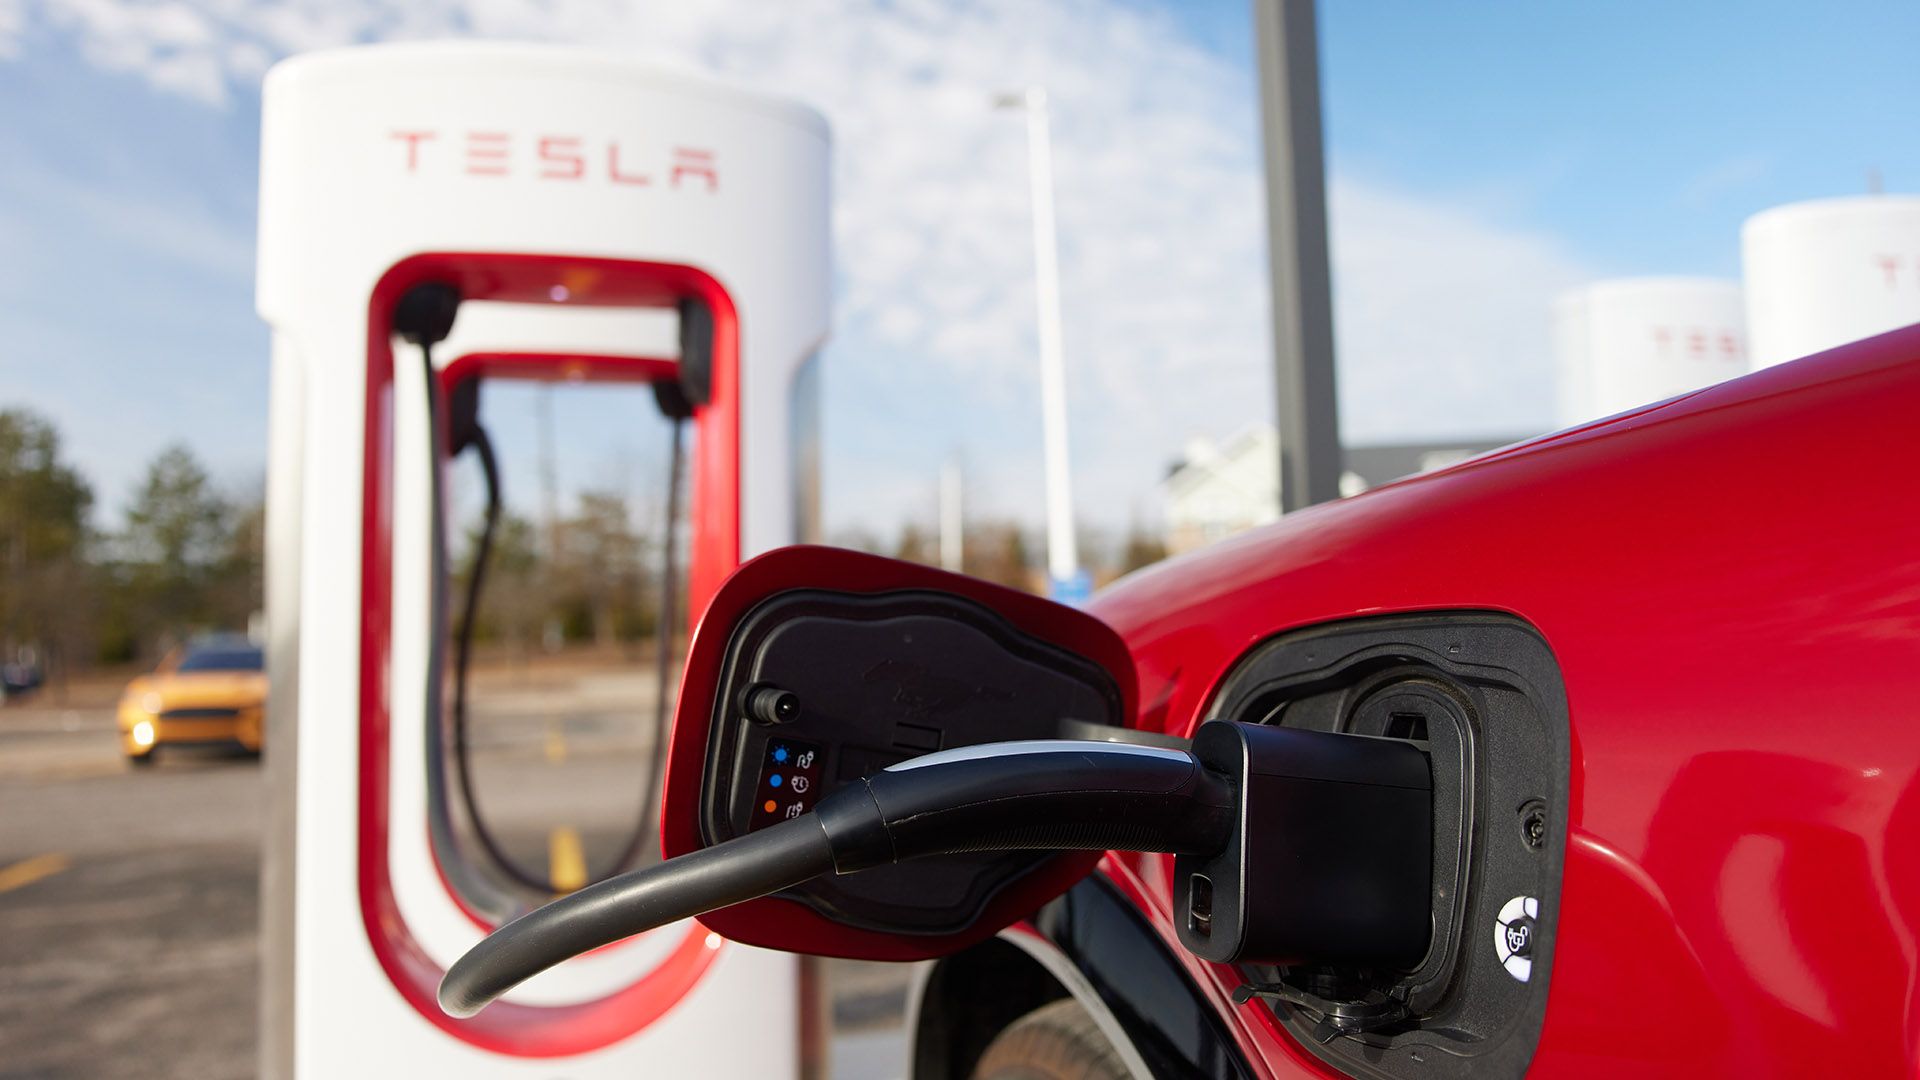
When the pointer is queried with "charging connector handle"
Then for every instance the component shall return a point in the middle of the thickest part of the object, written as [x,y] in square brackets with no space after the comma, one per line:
[1048,795]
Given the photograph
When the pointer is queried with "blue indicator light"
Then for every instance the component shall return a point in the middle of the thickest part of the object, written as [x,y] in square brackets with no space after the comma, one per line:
[780,753]
[774,779]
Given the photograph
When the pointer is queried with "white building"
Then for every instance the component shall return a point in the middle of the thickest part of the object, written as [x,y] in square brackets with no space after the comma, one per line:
[1217,490]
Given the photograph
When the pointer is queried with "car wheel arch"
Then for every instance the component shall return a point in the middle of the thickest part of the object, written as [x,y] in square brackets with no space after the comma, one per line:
[958,1005]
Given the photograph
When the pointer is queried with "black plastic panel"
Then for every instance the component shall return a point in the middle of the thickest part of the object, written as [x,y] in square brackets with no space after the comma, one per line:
[1482,694]
[881,679]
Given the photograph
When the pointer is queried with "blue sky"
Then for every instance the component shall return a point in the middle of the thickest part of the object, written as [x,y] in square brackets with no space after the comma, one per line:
[1640,133]
[1481,159]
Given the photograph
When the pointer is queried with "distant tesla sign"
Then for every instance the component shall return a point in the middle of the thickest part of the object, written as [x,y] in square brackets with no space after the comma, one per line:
[558,157]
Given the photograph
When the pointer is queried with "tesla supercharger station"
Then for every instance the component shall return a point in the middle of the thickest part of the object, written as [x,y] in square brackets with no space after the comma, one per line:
[595,219]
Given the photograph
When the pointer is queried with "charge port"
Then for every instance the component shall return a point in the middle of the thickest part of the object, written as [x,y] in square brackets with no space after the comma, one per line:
[1200,905]
[1407,725]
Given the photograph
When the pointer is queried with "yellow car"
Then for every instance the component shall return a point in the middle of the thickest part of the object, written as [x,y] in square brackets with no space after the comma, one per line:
[211,691]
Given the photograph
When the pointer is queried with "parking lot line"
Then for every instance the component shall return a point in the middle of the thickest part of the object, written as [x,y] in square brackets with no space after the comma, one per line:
[28,871]
[566,860]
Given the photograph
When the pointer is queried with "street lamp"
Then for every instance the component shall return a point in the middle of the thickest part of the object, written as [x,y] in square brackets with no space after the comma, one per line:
[1065,580]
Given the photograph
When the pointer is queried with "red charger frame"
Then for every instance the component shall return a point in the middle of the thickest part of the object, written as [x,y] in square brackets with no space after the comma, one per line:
[507,1027]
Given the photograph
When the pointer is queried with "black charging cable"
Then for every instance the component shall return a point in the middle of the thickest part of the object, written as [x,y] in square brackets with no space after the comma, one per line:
[462,658]
[1045,795]
[1290,846]
[424,317]
[675,406]
[471,432]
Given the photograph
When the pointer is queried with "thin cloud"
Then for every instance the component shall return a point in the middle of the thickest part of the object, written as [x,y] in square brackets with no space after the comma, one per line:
[13,21]
[182,234]
[1440,312]
[171,44]
[1441,317]
[1728,175]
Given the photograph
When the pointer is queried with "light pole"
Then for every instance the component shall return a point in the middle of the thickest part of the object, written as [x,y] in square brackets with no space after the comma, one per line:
[1288,50]
[1063,560]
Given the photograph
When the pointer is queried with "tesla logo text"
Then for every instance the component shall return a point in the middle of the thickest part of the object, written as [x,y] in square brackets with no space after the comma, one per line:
[557,157]
[1698,342]
[1893,269]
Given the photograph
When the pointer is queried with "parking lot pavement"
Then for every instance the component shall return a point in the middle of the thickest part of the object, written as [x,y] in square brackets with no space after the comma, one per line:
[132,964]
[43,743]
[129,899]
[128,905]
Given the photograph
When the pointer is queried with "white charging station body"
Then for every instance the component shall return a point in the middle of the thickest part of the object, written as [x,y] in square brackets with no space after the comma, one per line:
[538,181]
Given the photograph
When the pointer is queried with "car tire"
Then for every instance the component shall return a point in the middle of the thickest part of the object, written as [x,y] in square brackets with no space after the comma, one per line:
[1058,1041]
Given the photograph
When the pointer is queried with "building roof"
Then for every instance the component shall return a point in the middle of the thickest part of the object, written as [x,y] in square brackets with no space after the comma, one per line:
[1203,460]
[1205,463]
[1386,462]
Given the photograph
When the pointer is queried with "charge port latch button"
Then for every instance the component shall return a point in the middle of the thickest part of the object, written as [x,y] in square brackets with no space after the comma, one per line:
[1200,905]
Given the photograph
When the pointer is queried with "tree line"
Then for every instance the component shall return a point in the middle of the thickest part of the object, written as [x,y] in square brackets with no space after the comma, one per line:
[1003,551]
[592,578]
[186,557]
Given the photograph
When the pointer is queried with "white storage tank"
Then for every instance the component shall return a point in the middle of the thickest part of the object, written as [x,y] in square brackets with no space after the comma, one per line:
[1632,341]
[1823,273]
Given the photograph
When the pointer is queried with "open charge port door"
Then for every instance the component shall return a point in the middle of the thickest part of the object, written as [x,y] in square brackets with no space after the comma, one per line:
[1481,695]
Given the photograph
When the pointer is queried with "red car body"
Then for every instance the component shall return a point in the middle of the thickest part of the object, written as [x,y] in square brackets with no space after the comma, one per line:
[1730,584]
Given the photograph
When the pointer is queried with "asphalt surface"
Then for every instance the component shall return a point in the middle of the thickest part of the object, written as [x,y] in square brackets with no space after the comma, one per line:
[128,929]
[129,898]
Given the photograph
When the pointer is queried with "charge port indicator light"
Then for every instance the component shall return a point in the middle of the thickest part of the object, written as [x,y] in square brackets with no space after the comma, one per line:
[774,780]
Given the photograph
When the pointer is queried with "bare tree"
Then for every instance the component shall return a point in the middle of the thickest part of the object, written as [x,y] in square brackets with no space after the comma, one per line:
[998,552]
